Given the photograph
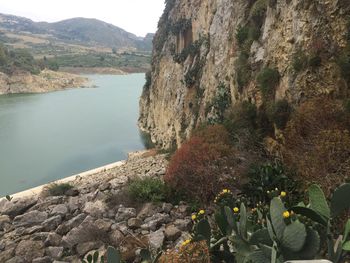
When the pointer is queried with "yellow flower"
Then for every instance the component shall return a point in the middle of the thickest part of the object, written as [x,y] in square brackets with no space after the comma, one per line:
[186,242]
[286,214]
[236,209]
[194,217]
[201,212]
[283,194]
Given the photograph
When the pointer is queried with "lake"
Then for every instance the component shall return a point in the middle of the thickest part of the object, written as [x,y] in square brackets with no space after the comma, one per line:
[49,136]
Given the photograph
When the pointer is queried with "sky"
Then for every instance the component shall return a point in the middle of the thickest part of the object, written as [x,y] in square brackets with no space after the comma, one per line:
[135,16]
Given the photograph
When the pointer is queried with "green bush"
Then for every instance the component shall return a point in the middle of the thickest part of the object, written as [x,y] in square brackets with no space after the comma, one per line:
[258,11]
[242,35]
[267,80]
[280,113]
[147,189]
[243,70]
[58,189]
[315,61]
[299,61]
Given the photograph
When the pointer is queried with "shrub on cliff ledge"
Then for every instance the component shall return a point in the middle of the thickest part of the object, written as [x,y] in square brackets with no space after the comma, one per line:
[201,166]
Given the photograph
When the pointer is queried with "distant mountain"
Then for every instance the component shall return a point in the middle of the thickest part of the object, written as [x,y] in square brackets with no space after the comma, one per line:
[84,31]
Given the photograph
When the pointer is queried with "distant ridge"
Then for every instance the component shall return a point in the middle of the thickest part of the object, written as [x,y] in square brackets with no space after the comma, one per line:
[84,31]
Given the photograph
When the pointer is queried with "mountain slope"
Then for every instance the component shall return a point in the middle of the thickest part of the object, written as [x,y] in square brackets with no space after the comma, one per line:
[86,31]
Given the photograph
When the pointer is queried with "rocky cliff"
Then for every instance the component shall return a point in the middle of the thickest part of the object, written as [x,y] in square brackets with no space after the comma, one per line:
[211,54]
[45,81]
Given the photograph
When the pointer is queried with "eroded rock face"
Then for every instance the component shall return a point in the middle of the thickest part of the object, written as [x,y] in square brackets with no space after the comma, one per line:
[183,90]
[66,229]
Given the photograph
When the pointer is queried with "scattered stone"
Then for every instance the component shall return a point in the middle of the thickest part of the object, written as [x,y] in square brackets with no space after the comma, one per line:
[16,207]
[30,218]
[83,248]
[54,252]
[103,224]
[156,239]
[134,223]
[95,209]
[30,250]
[116,237]
[52,223]
[172,233]
[166,207]
[42,260]
[53,239]
[59,210]
[124,214]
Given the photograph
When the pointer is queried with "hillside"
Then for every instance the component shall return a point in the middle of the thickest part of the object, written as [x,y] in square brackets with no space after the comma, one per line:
[82,31]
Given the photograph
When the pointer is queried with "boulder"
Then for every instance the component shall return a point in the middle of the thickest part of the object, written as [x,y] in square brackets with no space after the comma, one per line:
[134,223]
[52,223]
[172,233]
[95,209]
[54,252]
[156,239]
[53,239]
[30,250]
[31,218]
[123,214]
[16,207]
[59,210]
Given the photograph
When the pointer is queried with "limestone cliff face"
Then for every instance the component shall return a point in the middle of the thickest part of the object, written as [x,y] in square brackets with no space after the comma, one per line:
[46,81]
[209,52]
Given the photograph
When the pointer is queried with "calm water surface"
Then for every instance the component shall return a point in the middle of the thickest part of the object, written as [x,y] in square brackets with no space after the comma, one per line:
[44,137]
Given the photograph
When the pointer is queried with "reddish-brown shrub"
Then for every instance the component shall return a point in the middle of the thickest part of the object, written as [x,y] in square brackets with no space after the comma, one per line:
[202,165]
[317,143]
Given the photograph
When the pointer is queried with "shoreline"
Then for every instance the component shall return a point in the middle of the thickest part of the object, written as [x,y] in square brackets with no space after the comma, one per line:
[38,189]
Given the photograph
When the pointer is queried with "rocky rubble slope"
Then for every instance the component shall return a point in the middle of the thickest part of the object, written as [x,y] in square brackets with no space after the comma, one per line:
[198,58]
[46,81]
[91,216]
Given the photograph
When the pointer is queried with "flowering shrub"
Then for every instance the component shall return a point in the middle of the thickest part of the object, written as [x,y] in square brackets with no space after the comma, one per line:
[202,165]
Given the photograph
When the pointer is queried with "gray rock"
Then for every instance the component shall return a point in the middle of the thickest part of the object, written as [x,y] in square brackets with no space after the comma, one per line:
[104,186]
[116,237]
[4,221]
[85,232]
[42,260]
[103,224]
[83,248]
[52,223]
[183,224]
[95,209]
[53,239]
[7,254]
[172,233]
[156,239]
[60,210]
[29,219]
[148,210]
[16,207]
[30,250]
[54,252]
[166,207]
[67,226]
[16,259]
[123,214]
[134,223]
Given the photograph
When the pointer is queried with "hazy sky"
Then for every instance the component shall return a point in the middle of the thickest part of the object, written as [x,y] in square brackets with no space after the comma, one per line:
[136,16]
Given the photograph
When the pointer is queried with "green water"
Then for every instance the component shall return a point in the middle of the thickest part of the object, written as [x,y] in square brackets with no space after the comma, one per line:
[44,137]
